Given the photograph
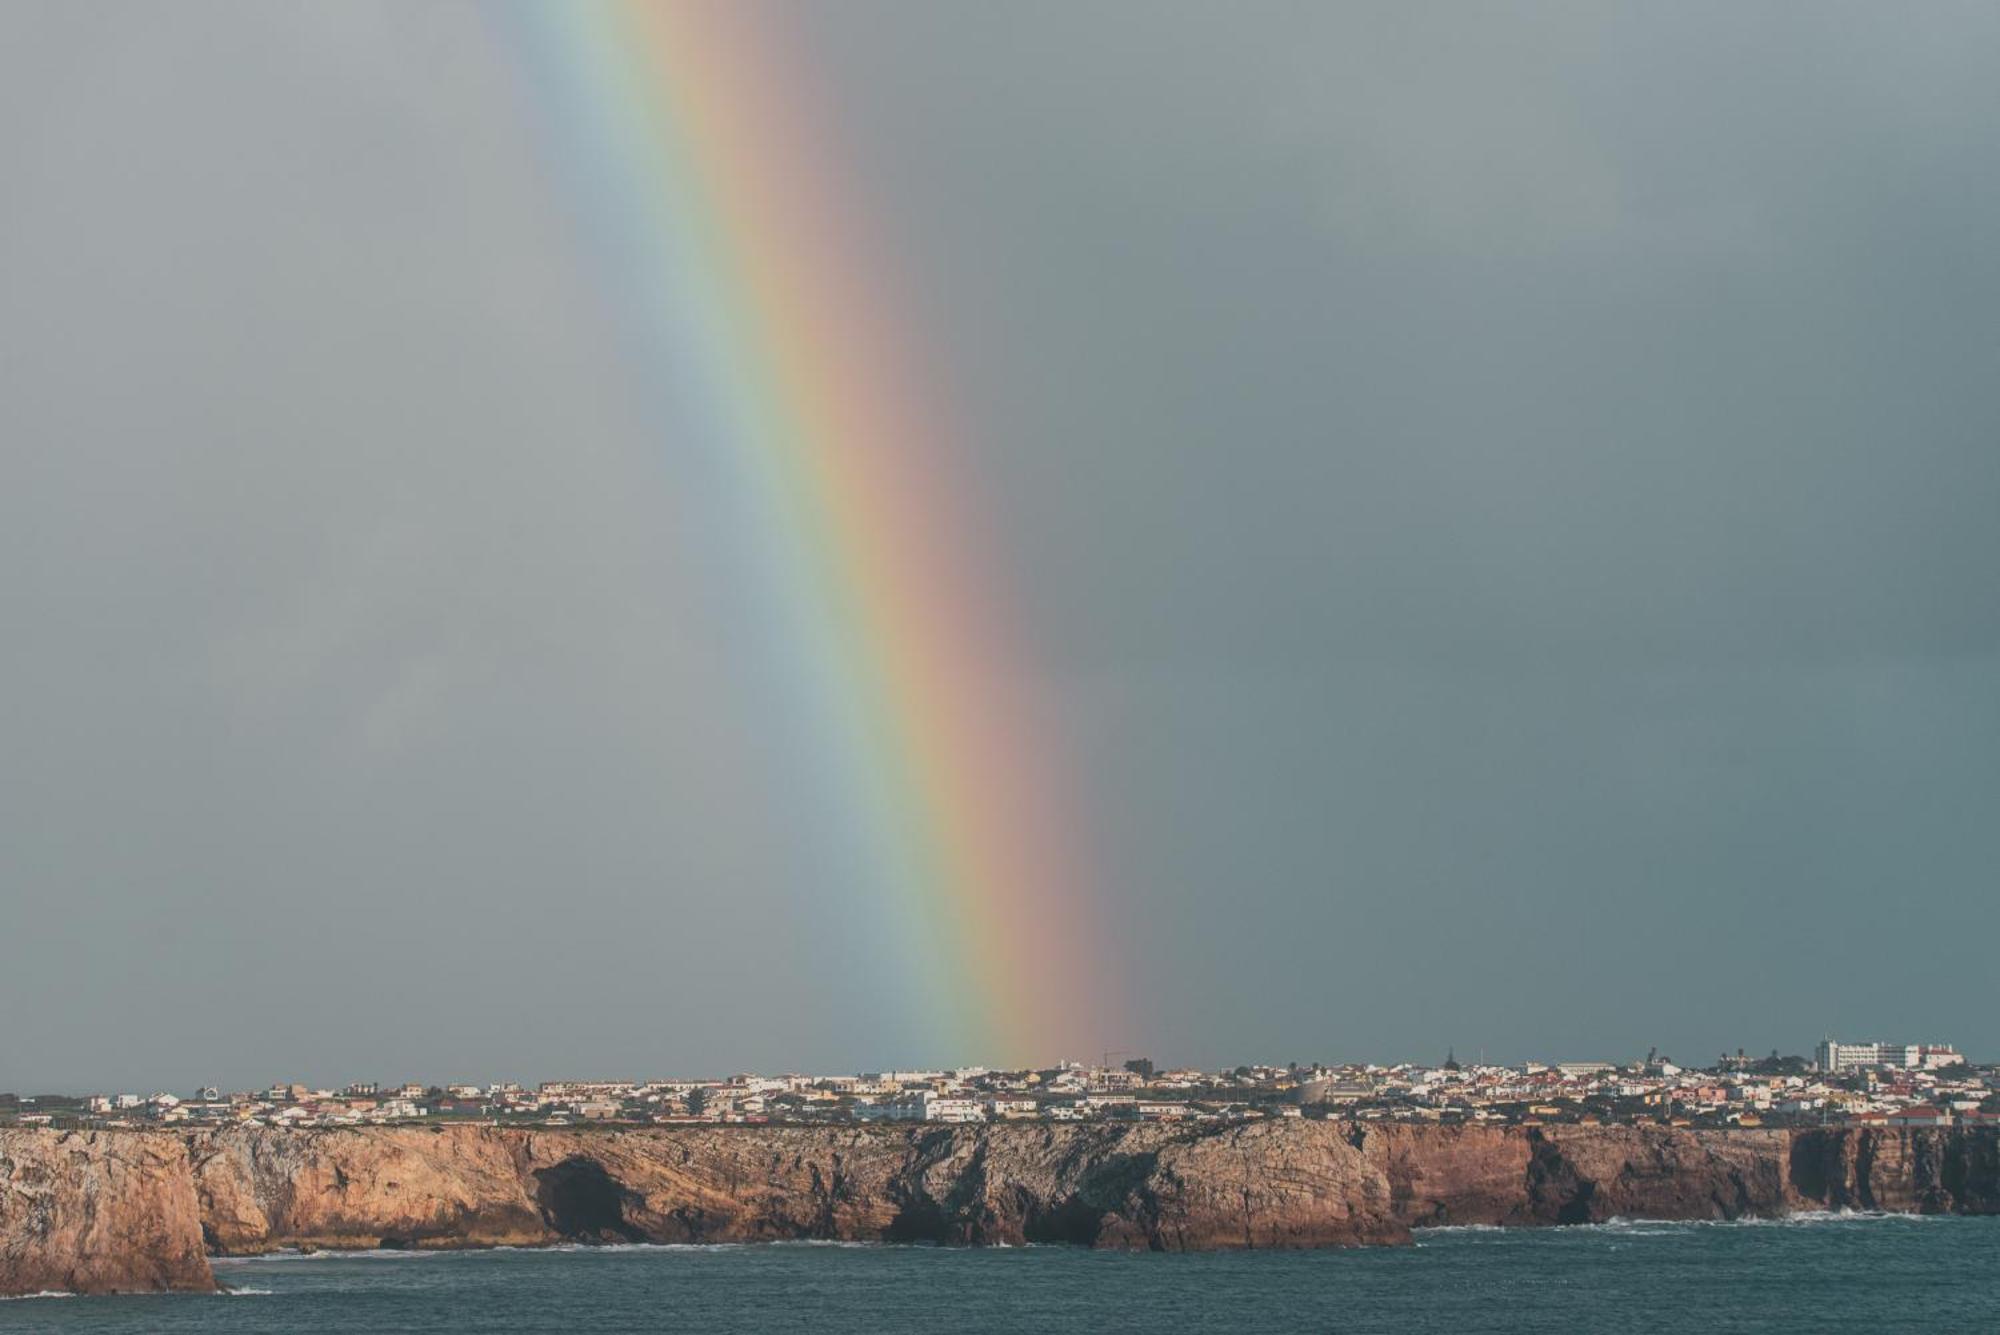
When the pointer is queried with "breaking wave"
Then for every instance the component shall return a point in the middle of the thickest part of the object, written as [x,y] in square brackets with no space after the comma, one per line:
[287,1255]
[1644,1228]
[323,1254]
[1802,1219]
[1428,1230]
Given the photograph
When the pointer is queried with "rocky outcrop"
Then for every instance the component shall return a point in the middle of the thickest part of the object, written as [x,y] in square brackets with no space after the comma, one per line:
[1915,1172]
[1133,1186]
[136,1210]
[1512,1176]
[98,1212]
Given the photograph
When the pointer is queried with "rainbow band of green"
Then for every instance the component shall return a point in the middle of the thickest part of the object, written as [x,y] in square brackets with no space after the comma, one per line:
[755,288]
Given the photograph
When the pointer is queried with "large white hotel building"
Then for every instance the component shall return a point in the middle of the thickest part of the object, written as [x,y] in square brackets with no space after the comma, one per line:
[1833,1055]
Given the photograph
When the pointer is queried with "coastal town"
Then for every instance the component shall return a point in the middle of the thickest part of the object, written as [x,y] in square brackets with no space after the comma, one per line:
[1887,1084]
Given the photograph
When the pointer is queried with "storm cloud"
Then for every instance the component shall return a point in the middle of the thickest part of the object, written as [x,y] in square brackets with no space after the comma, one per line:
[1502,497]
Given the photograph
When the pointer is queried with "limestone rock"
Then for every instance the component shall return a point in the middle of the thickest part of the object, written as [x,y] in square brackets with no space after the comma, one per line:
[98,1212]
[137,1210]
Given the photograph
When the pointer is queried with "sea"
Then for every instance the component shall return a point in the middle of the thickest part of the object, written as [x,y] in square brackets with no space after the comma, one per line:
[1845,1272]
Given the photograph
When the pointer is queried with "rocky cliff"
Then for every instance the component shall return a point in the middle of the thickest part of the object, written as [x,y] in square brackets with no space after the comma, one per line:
[98,1212]
[1299,1184]
[123,1210]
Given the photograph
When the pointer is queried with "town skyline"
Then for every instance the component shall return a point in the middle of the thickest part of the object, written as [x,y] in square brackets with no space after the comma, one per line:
[1108,1059]
[1898,1085]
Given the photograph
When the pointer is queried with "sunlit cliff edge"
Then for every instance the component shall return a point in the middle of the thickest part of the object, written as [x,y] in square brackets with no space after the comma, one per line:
[119,1211]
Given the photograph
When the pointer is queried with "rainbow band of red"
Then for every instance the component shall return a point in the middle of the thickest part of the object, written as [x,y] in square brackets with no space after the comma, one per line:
[696,112]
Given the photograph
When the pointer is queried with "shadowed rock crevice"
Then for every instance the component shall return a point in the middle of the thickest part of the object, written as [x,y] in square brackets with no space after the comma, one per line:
[1072,1221]
[581,1201]
[1864,1172]
[1811,1168]
[1555,1192]
[920,1219]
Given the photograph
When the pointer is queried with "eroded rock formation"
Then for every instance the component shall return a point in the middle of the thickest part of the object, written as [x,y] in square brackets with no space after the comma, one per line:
[1303,1184]
[98,1212]
[137,1210]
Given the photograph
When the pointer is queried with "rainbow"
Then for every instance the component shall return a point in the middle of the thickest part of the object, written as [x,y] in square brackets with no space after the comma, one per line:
[711,192]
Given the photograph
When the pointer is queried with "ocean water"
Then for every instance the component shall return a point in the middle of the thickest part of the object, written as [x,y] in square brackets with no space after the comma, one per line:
[1815,1273]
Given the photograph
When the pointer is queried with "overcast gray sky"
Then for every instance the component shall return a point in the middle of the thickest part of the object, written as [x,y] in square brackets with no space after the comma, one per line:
[1504,497]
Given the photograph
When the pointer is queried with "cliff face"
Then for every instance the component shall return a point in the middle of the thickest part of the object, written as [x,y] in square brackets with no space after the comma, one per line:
[1144,1186]
[1581,1174]
[98,1212]
[1921,1172]
[111,1211]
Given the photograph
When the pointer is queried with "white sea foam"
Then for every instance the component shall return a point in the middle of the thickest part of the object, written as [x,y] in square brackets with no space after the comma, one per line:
[1427,1229]
[1801,1219]
[289,1255]
[326,1254]
[45,1293]
[617,1247]
[1855,1217]
[688,1246]
[1647,1228]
